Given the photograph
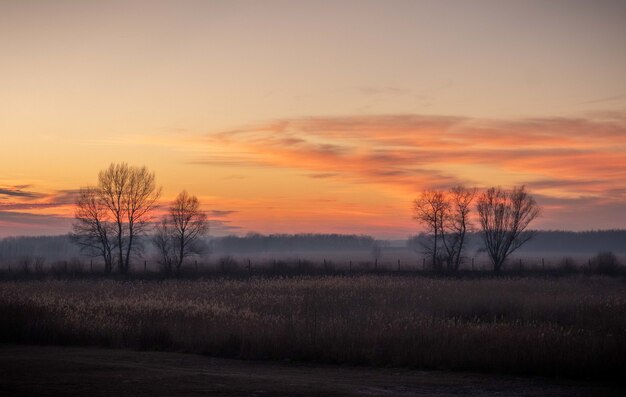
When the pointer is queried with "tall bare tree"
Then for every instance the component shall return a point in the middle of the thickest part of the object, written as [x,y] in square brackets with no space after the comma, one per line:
[446,216]
[190,225]
[430,209]
[458,223]
[124,199]
[112,185]
[92,229]
[163,241]
[504,218]
[179,235]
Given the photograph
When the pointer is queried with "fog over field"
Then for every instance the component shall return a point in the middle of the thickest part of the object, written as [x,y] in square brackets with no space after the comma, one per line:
[551,246]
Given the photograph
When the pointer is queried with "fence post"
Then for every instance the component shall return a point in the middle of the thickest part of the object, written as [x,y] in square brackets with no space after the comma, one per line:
[145,266]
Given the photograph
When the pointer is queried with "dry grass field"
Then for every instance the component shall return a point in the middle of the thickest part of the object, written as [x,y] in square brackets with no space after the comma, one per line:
[573,327]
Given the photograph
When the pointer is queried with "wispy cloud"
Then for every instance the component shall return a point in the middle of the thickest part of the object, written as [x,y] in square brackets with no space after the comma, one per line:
[220,227]
[221,213]
[584,156]
[39,201]
[18,191]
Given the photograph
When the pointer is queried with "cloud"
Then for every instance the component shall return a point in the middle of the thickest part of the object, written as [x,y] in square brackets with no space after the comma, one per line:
[322,175]
[27,218]
[37,213]
[222,227]
[19,192]
[221,213]
[34,201]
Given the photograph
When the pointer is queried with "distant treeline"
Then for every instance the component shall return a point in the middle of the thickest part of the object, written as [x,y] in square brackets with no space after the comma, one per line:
[255,243]
[57,248]
[553,241]
[577,242]
[52,248]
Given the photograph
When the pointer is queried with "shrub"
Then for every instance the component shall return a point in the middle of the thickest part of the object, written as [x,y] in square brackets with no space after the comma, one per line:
[606,263]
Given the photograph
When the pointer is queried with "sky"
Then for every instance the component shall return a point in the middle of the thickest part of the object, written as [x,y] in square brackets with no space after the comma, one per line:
[314,116]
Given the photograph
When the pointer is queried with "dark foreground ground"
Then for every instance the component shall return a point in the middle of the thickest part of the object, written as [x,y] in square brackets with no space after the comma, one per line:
[53,371]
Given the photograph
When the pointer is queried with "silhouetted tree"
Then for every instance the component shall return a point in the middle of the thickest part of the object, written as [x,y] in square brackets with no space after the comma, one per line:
[179,235]
[430,209]
[163,241]
[504,217]
[130,194]
[457,223]
[92,229]
[189,226]
[113,215]
[446,216]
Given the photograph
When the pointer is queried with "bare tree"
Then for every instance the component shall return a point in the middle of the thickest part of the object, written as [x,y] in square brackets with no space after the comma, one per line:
[179,235]
[162,240]
[504,217]
[446,216]
[430,209]
[111,217]
[190,225]
[130,194]
[92,229]
[458,223]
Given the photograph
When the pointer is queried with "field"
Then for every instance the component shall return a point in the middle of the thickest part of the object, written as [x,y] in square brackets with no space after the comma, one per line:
[572,327]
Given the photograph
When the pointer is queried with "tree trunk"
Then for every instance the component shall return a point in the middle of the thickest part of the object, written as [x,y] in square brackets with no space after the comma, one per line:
[128,250]
[120,247]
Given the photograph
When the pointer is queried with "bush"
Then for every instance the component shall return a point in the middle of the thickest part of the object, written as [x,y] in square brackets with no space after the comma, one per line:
[606,263]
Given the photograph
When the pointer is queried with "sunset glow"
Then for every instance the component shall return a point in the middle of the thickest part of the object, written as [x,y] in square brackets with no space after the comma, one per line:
[287,117]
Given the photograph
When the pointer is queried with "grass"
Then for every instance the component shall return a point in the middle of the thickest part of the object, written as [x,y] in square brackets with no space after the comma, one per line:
[563,327]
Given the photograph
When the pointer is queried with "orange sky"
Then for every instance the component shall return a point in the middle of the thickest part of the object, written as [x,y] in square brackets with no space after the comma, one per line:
[314,116]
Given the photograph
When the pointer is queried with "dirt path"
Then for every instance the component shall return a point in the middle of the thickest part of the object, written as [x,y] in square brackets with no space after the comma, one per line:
[51,371]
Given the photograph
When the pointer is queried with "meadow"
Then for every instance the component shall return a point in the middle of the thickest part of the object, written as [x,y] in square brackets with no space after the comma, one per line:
[571,326]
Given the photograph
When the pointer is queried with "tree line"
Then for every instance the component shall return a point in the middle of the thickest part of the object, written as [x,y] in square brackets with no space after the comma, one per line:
[255,242]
